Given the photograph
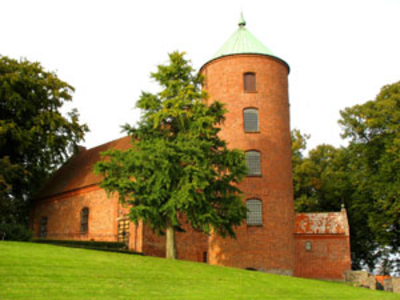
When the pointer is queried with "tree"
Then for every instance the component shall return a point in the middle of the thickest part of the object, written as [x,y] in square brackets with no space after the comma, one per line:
[323,182]
[374,132]
[178,167]
[365,176]
[35,138]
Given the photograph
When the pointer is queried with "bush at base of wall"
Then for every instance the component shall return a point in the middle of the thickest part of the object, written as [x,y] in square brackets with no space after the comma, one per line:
[94,245]
[14,232]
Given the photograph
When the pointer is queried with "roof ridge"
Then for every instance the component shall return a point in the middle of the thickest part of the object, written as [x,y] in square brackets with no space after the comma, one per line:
[107,143]
[77,171]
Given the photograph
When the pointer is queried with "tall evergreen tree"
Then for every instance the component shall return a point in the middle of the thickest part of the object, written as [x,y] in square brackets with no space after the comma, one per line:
[178,167]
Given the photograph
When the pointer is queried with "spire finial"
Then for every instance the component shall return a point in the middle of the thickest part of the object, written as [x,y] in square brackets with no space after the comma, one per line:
[242,22]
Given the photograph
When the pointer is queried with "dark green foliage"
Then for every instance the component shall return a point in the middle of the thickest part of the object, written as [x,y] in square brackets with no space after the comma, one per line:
[324,181]
[178,167]
[365,176]
[35,138]
[98,244]
[93,245]
[14,232]
[320,181]
[374,132]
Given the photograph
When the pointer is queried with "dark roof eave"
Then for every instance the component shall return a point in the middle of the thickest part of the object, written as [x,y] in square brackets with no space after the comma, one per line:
[52,195]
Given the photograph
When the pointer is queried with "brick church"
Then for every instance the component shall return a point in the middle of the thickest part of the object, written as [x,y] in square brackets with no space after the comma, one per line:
[253,83]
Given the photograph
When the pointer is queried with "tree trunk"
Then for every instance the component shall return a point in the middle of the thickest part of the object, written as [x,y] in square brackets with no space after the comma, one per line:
[170,246]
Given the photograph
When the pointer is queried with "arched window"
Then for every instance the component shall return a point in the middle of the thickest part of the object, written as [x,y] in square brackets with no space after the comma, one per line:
[253,163]
[250,119]
[43,227]
[249,82]
[254,212]
[84,220]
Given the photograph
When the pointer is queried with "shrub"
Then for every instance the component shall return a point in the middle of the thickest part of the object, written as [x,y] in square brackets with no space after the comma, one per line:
[15,232]
[83,244]
[93,245]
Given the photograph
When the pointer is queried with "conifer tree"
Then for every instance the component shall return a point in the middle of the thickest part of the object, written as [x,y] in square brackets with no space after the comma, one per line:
[178,167]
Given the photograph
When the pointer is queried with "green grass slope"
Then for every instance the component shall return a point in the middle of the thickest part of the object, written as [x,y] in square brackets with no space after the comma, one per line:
[35,271]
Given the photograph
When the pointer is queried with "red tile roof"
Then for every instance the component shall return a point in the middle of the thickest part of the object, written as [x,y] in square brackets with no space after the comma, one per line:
[381,278]
[77,172]
[321,223]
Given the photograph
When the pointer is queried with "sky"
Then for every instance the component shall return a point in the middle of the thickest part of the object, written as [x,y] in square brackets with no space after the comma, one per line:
[340,52]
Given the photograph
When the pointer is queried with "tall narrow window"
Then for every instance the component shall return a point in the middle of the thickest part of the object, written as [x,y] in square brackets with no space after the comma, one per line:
[84,220]
[254,212]
[123,231]
[250,117]
[249,82]
[253,163]
[43,227]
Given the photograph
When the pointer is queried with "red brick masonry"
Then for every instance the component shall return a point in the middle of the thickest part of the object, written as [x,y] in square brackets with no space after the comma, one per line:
[270,246]
[322,245]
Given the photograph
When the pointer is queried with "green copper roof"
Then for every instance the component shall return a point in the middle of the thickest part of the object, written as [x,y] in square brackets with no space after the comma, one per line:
[242,41]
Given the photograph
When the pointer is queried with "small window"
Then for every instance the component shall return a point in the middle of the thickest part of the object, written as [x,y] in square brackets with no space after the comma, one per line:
[253,163]
[254,212]
[43,227]
[250,117]
[308,246]
[84,220]
[249,82]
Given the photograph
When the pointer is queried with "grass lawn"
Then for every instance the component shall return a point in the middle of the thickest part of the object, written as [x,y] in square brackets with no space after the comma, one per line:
[36,271]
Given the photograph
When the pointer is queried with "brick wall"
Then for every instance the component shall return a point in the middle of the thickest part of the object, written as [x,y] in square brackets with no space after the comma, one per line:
[191,244]
[136,237]
[328,237]
[64,214]
[269,247]
[329,257]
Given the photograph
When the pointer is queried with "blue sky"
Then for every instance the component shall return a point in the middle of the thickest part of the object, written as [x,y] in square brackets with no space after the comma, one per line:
[340,52]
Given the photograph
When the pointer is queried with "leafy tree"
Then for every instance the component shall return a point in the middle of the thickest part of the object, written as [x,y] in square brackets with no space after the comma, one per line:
[178,168]
[374,132]
[35,138]
[365,176]
[323,182]
[299,145]
[303,178]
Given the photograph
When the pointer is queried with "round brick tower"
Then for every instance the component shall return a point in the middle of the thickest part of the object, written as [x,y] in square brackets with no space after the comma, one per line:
[253,84]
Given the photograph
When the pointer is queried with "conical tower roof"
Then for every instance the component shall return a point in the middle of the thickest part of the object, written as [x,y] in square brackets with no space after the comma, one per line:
[243,41]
